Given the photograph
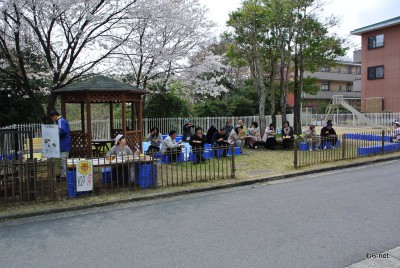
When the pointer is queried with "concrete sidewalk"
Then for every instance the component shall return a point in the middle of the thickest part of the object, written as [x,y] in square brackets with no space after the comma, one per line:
[387,259]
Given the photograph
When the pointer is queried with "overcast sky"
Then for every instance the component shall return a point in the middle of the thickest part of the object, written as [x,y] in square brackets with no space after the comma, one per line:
[353,13]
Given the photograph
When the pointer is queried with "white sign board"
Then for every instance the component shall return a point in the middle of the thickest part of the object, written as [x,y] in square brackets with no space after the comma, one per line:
[84,175]
[50,141]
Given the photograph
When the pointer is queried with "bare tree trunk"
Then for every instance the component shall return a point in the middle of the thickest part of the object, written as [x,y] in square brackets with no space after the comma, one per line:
[273,97]
[297,97]
[281,86]
[261,92]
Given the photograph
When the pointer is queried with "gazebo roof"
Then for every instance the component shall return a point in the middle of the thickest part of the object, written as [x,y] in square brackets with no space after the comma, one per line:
[99,83]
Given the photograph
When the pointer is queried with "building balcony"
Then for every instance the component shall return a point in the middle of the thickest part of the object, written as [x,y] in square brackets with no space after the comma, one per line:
[357,56]
[328,95]
[333,76]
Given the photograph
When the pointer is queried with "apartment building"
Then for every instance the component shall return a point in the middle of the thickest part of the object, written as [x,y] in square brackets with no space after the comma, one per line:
[380,61]
[342,79]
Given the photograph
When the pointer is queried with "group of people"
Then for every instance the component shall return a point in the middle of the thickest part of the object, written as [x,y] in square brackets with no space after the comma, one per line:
[327,137]
[219,138]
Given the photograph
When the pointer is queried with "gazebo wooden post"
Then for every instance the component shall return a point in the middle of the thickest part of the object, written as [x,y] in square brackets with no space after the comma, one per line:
[133,125]
[83,116]
[89,128]
[111,120]
[124,115]
[140,123]
[63,110]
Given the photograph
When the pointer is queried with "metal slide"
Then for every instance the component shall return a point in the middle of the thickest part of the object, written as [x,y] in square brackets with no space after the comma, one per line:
[338,100]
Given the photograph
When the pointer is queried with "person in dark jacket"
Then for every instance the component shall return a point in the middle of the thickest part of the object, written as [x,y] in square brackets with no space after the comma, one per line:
[210,133]
[187,129]
[328,134]
[197,142]
[155,139]
[65,140]
[219,141]
[287,136]
[228,129]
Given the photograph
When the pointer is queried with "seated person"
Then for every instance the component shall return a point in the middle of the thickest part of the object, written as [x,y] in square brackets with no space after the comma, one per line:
[171,147]
[312,138]
[228,128]
[120,148]
[254,134]
[155,139]
[243,132]
[219,141]
[235,139]
[327,122]
[270,137]
[328,134]
[187,129]
[287,136]
[210,133]
[197,142]
[395,133]
[120,173]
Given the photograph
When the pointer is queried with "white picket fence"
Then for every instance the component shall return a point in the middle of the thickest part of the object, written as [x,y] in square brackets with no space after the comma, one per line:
[101,128]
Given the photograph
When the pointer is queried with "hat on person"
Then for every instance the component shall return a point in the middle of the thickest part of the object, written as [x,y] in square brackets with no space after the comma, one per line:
[396,123]
[118,138]
[186,121]
[238,126]
[240,122]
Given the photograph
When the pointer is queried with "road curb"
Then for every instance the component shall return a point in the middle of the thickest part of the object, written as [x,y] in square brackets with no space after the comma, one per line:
[191,191]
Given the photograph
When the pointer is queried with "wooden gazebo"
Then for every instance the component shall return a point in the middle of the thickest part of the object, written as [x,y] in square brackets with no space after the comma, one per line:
[101,89]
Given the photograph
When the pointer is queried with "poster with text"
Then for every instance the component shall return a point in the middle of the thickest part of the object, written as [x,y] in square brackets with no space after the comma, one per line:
[84,175]
[50,141]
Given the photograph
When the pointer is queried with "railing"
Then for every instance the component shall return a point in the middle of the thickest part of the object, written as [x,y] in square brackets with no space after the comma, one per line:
[101,128]
[12,143]
[350,120]
[346,146]
[39,179]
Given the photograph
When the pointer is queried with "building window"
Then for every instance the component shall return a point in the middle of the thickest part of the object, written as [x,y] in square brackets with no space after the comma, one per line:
[375,72]
[325,69]
[324,86]
[349,69]
[358,69]
[349,87]
[375,41]
[340,88]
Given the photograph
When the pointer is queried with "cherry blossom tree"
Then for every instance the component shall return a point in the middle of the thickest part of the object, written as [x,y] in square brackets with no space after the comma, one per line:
[166,33]
[72,37]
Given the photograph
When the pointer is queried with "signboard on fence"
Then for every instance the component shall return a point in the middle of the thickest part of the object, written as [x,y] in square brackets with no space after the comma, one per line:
[84,175]
[50,141]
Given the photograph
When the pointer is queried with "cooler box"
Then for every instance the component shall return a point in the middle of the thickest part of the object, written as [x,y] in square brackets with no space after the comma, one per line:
[237,151]
[145,175]
[106,175]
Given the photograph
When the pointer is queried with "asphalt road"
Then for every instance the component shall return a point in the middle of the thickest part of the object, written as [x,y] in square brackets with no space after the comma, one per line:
[323,220]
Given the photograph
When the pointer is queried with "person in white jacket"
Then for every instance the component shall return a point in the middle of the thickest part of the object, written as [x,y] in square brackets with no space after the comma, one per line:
[170,146]
[234,138]
[395,135]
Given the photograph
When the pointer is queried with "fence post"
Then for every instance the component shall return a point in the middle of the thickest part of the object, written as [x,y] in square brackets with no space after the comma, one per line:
[295,160]
[343,144]
[233,168]
[383,142]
